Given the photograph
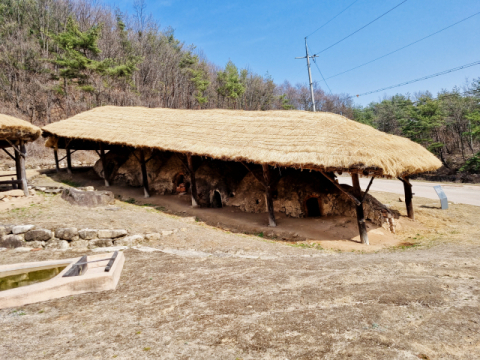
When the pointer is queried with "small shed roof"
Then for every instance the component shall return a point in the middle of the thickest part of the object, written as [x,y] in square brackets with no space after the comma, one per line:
[281,138]
[14,129]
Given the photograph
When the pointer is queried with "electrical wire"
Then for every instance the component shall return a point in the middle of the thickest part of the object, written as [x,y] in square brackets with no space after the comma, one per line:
[315,61]
[403,47]
[363,27]
[340,13]
[419,79]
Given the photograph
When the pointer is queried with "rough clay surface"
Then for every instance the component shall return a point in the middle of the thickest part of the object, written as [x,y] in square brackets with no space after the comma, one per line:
[239,188]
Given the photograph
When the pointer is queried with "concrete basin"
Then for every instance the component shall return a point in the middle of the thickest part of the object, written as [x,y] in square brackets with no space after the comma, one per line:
[94,279]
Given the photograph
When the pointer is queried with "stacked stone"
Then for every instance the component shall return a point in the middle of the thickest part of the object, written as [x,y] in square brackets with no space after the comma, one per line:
[28,236]
[6,196]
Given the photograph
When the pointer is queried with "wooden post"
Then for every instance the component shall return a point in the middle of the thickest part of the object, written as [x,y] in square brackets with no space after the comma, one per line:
[23,172]
[17,168]
[362,227]
[69,161]
[57,165]
[193,184]
[144,174]
[269,195]
[104,165]
[407,187]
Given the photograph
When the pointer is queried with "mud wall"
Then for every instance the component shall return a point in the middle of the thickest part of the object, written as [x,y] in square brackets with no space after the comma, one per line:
[226,183]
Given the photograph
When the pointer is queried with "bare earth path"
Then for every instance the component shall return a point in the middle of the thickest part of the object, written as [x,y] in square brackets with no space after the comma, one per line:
[457,193]
[206,293]
[303,305]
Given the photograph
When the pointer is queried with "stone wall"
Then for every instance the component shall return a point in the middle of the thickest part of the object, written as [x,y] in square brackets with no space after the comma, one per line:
[238,187]
[62,238]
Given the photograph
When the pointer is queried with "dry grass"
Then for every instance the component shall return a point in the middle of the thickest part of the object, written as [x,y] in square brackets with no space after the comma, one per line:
[259,299]
[14,129]
[279,138]
[433,226]
[306,304]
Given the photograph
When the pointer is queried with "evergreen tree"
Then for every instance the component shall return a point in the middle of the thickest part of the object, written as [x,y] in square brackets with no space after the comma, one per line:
[285,102]
[78,60]
[78,49]
[230,85]
[199,76]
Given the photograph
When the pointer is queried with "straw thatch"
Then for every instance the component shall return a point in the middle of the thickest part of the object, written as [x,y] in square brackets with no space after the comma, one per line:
[14,129]
[284,138]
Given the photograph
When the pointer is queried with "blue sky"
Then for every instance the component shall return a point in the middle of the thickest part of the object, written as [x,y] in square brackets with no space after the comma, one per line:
[266,36]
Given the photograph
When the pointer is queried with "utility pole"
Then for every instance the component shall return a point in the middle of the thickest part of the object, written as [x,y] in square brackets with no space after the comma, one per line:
[309,72]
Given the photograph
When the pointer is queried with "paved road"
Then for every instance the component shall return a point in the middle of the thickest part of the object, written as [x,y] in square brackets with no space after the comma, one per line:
[457,193]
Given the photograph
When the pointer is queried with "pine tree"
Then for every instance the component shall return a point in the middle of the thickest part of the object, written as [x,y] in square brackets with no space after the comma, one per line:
[78,49]
[285,102]
[230,83]
[199,76]
[78,59]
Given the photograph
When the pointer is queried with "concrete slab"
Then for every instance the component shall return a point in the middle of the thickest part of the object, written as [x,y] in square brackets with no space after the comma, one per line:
[94,280]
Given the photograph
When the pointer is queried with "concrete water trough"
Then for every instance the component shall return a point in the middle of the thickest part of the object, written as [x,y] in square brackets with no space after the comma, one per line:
[28,283]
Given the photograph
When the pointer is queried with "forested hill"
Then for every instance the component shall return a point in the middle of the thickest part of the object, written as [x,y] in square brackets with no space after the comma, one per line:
[448,125]
[62,57]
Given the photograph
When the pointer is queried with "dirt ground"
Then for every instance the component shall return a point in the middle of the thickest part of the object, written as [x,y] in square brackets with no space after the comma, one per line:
[209,293]
[332,232]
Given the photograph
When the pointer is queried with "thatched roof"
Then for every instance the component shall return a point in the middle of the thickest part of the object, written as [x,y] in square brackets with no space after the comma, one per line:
[14,129]
[283,138]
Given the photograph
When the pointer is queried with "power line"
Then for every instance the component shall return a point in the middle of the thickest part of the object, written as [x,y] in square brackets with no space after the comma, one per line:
[403,47]
[419,79]
[340,13]
[363,27]
[315,61]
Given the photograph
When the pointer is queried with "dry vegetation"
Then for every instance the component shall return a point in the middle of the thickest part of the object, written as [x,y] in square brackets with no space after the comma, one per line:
[321,140]
[257,298]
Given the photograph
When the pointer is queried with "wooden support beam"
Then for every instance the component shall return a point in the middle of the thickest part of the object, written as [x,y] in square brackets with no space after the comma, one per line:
[23,171]
[353,198]
[151,156]
[7,175]
[362,227]
[193,183]
[57,165]
[11,156]
[11,182]
[104,165]
[143,164]
[69,161]
[18,171]
[368,188]
[262,181]
[407,187]
[269,195]
[12,145]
